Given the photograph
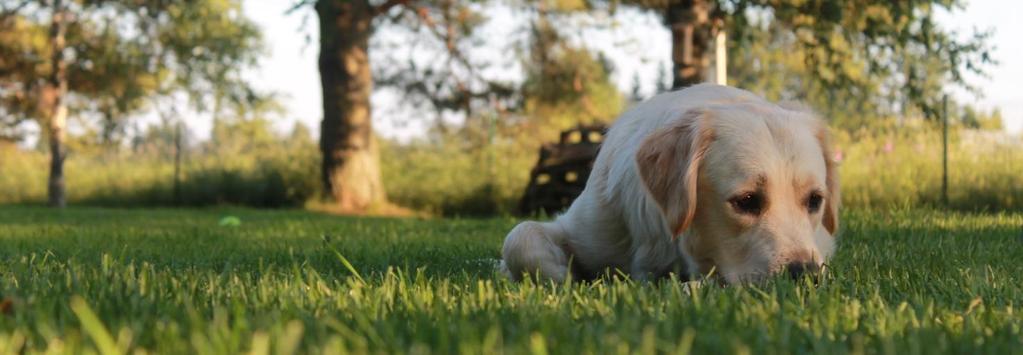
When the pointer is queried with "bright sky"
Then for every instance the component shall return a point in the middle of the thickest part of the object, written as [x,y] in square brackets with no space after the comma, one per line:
[636,49]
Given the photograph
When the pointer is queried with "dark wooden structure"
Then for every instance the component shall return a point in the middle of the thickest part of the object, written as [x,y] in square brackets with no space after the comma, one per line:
[562,170]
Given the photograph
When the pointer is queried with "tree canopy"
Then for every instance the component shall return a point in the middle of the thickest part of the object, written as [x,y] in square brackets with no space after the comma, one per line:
[893,56]
[878,56]
[122,54]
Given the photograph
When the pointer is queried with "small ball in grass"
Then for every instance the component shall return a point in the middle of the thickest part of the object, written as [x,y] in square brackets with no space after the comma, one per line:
[230,221]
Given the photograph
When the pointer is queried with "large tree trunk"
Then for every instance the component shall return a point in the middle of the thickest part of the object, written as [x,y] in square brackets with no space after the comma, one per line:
[691,34]
[351,170]
[53,106]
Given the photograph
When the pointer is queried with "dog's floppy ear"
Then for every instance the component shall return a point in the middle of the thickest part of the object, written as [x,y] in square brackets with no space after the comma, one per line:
[669,161]
[834,199]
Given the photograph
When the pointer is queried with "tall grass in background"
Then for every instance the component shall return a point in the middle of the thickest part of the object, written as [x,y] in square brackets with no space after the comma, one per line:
[903,167]
[243,163]
[896,166]
[451,176]
[263,179]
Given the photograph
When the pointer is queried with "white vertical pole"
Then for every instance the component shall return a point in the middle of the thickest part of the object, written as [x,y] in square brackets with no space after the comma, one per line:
[720,59]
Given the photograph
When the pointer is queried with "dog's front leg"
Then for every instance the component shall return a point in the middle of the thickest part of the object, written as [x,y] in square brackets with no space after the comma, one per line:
[651,262]
[536,249]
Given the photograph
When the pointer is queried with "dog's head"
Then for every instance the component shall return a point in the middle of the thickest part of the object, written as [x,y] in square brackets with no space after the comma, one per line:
[752,186]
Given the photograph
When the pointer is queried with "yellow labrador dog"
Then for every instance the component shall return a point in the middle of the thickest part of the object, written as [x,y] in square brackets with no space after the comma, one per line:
[709,177]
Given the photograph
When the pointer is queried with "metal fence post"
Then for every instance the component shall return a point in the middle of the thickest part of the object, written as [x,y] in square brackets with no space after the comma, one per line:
[944,150]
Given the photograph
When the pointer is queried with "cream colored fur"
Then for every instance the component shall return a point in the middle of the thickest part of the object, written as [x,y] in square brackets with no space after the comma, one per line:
[658,198]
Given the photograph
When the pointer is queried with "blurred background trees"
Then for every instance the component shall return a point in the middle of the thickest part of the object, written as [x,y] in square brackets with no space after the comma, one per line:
[874,69]
[875,57]
[103,61]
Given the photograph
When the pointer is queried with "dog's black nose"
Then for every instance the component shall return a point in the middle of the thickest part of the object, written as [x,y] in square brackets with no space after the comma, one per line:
[797,269]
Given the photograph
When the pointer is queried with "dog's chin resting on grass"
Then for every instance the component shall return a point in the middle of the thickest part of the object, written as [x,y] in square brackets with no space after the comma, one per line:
[706,178]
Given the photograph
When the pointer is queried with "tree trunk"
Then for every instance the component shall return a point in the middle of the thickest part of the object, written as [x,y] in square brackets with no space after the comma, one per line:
[53,106]
[691,34]
[351,169]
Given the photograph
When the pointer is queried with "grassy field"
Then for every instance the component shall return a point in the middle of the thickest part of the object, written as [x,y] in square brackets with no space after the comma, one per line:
[174,281]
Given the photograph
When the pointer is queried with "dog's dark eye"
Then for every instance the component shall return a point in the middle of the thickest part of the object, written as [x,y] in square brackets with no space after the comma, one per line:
[813,202]
[748,203]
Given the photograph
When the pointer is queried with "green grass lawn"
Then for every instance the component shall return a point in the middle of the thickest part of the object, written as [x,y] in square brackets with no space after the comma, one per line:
[174,281]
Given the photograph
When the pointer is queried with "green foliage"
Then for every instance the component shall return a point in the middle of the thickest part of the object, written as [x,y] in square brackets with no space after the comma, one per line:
[874,50]
[123,54]
[445,75]
[565,85]
[875,58]
[979,119]
[173,281]
[770,63]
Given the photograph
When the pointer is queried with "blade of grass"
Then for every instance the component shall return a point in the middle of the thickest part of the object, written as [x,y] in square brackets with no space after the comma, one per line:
[94,327]
[347,264]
